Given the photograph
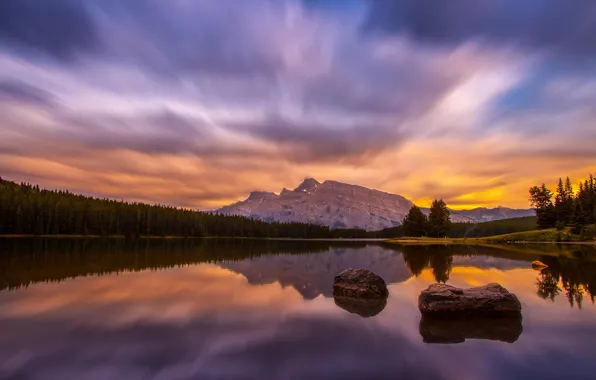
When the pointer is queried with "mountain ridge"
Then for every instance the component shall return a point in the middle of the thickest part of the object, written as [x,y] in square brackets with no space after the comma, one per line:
[341,205]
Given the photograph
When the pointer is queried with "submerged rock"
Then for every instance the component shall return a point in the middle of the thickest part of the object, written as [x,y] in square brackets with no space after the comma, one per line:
[441,330]
[364,307]
[538,265]
[359,283]
[490,300]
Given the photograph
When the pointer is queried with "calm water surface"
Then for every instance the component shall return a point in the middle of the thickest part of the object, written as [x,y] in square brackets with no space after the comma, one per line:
[241,309]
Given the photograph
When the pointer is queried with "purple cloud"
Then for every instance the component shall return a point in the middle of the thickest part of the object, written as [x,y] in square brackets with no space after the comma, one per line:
[560,27]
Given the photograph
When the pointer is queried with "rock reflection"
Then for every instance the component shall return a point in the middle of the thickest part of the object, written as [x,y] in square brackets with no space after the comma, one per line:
[363,307]
[434,330]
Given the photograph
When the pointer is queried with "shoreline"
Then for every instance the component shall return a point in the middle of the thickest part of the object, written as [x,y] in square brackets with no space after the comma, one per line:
[29,236]
[478,241]
[397,241]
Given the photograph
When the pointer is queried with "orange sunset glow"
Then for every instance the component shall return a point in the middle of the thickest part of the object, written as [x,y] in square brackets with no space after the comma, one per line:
[127,108]
[297,189]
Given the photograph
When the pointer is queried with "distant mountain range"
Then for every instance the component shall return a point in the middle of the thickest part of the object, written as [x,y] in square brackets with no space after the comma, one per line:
[483,214]
[341,205]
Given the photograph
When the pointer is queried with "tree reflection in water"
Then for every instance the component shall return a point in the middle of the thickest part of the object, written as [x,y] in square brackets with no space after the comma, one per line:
[28,261]
[438,258]
[576,276]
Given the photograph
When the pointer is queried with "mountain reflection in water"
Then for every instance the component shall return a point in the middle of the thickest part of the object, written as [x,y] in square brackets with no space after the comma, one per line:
[257,309]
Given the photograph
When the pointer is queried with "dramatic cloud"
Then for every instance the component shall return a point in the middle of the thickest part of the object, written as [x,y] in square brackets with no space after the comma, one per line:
[60,29]
[196,103]
[559,27]
[17,91]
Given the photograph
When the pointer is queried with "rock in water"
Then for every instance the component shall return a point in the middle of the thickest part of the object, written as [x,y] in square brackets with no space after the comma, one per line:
[359,283]
[538,265]
[490,300]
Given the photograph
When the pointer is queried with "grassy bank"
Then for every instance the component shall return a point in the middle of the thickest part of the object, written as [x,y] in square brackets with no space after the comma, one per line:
[551,235]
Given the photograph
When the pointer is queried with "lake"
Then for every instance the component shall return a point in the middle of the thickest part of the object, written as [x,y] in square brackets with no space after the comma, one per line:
[254,309]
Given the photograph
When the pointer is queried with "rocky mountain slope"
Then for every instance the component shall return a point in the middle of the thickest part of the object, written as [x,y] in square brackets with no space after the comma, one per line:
[341,205]
[483,214]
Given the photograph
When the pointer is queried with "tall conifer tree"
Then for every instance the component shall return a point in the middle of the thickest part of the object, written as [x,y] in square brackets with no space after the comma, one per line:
[541,201]
[439,220]
[415,223]
[564,201]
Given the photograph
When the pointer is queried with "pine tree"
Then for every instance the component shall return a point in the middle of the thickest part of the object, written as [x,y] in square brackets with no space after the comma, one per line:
[540,199]
[564,202]
[580,218]
[560,202]
[415,222]
[439,222]
[591,210]
[585,196]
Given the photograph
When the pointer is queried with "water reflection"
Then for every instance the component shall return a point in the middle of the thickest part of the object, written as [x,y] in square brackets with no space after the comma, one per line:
[439,258]
[312,274]
[239,309]
[576,276]
[363,307]
[27,261]
[575,272]
[435,330]
[571,270]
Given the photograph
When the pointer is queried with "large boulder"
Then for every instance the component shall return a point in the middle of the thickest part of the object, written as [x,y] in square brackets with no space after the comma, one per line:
[359,283]
[490,300]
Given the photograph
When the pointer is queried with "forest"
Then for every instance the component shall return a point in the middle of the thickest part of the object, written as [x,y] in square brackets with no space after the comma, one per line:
[575,209]
[492,228]
[437,224]
[26,209]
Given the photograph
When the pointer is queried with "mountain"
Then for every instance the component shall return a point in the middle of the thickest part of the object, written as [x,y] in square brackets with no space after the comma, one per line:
[483,214]
[341,205]
[330,203]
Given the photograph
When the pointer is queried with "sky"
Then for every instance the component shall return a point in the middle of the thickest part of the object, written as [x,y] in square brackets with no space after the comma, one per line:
[196,103]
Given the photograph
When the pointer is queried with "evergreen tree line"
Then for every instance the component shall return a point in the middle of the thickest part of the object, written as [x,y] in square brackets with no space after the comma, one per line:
[359,233]
[492,228]
[437,224]
[27,209]
[574,209]
[457,229]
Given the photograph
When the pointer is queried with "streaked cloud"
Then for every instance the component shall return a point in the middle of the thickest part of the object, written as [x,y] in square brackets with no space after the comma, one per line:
[197,103]
[558,27]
